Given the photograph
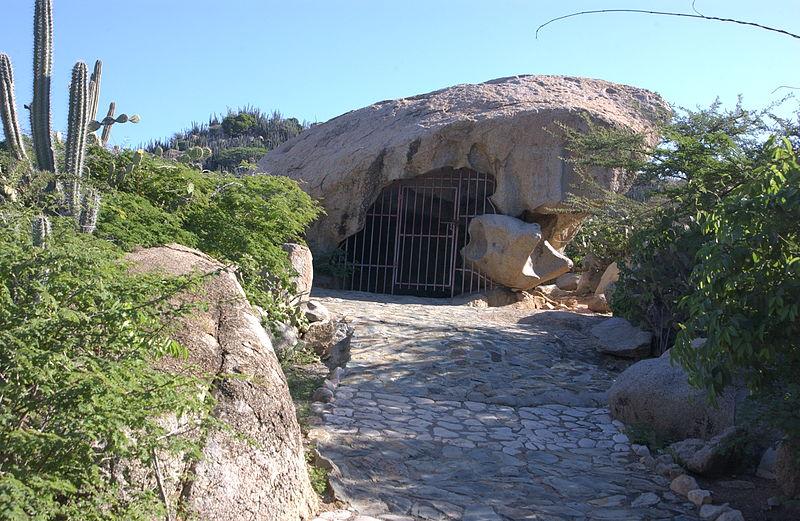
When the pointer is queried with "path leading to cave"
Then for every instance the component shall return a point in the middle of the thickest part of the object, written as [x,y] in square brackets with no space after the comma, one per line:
[452,412]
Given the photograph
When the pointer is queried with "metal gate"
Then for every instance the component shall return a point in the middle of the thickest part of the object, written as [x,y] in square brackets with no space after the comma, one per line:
[413,233]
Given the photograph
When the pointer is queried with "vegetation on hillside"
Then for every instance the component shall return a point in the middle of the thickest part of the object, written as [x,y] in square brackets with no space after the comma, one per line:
[235,141]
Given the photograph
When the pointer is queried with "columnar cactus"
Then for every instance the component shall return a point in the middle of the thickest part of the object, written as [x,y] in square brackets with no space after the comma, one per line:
[90,209]
[8,110]
[40,231]
[41,127]
[94,89]
[77,133]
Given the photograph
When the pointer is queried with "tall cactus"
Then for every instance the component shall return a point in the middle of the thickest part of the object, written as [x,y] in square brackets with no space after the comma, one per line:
[89,211]
[8,110]
[41,126]
[77,134]
[40,231]
[94,89]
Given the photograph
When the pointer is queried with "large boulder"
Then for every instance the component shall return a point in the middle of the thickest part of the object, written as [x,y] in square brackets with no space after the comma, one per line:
[656,394]
[512,252]
[254,469]
[302,262]
[508,128]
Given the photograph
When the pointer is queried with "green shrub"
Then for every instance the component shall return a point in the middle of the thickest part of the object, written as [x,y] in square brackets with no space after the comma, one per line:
[230,158]
[129,220]
[745,295]
[235,125]
[245,221]
[79,391]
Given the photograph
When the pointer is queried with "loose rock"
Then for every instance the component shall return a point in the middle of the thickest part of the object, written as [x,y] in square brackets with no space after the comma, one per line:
[618,337]
[683,484]
[699,497]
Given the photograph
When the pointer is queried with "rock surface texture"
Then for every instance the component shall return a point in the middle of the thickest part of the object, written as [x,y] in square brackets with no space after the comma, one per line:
[507,128]
[512,252]
[655,393]
[480,414]
[616,336]
[265,477]
[302,262]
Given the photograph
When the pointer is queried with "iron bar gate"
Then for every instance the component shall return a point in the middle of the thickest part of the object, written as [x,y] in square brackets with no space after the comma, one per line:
[413,234]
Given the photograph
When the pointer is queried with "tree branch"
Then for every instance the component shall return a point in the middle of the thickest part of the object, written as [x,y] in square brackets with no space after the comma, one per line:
[666,13]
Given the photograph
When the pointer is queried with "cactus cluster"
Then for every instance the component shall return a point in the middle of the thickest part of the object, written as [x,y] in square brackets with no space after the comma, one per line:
[84,99]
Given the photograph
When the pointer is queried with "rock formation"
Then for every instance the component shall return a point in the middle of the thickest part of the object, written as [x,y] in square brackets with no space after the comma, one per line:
[256,469]
[510,128]
[511,252]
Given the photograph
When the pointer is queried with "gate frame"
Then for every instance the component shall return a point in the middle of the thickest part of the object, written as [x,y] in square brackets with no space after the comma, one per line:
[462,182]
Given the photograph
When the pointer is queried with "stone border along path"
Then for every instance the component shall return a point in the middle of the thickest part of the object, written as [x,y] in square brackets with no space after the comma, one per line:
[451,412]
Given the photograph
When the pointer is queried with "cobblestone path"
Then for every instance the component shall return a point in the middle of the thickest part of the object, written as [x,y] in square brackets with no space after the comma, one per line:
[452,412]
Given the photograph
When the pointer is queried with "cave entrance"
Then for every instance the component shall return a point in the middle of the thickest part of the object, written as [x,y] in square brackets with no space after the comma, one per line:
[413,233]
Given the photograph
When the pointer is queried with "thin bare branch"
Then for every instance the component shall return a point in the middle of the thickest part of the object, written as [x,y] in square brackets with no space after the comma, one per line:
[667,13]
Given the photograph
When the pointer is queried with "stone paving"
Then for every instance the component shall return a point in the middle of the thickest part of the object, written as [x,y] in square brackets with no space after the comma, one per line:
[451,412]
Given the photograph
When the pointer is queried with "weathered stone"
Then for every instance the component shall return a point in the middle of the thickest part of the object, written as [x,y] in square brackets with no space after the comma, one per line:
[322,395]
[302,262]
[568,281]
[598,304]
[715,457]
[505,128]
[683,484]
[647,499]
[713,511]
[592,271]
[254,469]
[787,469]
[316,312]
[284,338]
[656,394]
[609,277]
[699,497]
[766,466]
[616,336]
[512,252]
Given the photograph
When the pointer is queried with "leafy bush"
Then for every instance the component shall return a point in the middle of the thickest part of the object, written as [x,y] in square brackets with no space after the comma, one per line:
[79,392]
[129,220]
[745,297]
[230,158]
[236,125]
[246,221]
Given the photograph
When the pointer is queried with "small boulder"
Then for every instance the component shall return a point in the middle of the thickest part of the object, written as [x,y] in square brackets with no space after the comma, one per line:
[568,281]
[284,339]
[712,512]
[616,336]
[787,469]
[715,457]
[598,304]
[683,484]
[609,277]
[699,497]
[316,312]
[656,394]
[322,395]
[593,269]
[647,499]
[766,466]
[302,262]
[331,341]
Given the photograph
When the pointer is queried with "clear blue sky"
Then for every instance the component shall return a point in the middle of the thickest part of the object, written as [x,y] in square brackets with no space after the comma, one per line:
[177,61]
